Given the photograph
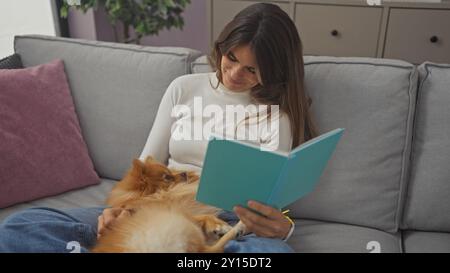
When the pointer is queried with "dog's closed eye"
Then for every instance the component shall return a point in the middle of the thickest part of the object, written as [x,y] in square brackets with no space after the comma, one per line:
[168,177]
[184,176]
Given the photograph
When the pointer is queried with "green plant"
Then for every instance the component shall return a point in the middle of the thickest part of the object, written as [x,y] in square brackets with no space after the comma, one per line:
[146,17]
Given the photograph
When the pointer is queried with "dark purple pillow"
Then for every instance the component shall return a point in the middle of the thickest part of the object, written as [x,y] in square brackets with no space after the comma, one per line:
[11,62]
[42,151]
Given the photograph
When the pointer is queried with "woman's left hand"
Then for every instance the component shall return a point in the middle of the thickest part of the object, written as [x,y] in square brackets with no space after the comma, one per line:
[271,223]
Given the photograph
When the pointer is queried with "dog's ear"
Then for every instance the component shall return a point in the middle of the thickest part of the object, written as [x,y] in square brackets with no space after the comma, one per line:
[150,159]
[138,167]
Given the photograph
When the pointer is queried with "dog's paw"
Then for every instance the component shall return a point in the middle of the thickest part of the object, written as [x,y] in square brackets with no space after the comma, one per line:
[212,226]
[241,229]
[221,229]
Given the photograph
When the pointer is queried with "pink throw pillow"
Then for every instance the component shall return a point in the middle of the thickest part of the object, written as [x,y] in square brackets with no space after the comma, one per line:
[42,151]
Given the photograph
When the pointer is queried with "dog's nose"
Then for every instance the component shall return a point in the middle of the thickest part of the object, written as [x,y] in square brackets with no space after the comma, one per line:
[184,176]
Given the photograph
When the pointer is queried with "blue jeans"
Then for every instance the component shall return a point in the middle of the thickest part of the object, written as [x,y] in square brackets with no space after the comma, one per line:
[75,230]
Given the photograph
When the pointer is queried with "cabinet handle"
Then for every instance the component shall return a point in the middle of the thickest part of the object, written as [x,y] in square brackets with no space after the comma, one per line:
[334,33]
[434,39]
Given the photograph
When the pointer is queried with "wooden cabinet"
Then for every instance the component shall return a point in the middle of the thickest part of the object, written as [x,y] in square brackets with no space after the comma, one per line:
[418,35]
[331,30]
[414,32]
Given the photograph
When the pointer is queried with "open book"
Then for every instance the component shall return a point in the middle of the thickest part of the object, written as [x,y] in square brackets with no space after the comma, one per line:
[235,172]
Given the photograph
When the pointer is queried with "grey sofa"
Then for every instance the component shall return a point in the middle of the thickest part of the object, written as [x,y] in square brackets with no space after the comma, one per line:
[386,189]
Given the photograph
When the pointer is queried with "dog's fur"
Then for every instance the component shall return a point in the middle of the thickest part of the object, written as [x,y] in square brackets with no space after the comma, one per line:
[164,216]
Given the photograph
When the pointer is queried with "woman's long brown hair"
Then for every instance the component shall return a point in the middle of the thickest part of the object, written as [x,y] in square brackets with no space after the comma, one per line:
[273,38]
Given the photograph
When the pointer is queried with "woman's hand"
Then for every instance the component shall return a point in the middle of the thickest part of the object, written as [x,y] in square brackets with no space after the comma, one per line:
[273,223]
[108,217]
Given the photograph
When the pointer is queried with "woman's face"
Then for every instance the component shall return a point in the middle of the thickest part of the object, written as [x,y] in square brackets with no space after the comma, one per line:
[239,69]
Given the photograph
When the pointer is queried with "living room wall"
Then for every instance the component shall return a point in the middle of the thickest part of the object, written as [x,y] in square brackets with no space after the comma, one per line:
[24,17]
[94,25]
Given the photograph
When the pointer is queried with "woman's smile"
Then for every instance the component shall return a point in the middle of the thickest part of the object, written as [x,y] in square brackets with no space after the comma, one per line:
[239,69]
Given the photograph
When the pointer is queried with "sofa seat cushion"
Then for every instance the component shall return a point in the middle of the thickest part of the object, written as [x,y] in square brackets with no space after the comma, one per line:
[426,242]
[318,236]
[428,199]
[92,196]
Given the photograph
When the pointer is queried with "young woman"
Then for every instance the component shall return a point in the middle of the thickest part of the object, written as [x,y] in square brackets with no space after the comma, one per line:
[258,60]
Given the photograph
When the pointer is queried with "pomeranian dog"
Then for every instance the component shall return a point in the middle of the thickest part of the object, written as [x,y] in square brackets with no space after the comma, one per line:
[164,215]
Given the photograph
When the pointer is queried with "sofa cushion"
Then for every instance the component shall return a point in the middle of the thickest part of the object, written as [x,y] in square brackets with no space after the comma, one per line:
[92,196]
[316,236]
[374,99]
[428,202]
[41,145]
[201,65]
[426,242]
[116,88]
[11,62]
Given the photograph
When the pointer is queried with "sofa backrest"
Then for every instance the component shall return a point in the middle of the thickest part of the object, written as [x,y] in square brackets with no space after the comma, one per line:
[116,89]
[201,65]
[428,200]
[374,100]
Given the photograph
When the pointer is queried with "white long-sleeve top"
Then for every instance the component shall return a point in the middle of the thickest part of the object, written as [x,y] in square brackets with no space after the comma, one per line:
[188,106]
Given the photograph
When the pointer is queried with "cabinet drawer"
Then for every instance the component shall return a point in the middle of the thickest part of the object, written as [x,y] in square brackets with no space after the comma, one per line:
[338,30]
[223,11]
[418,35]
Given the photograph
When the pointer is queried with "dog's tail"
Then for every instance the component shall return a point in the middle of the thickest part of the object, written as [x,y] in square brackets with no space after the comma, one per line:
[219,246]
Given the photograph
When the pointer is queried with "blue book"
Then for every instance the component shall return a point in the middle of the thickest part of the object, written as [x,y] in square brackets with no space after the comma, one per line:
[235,172]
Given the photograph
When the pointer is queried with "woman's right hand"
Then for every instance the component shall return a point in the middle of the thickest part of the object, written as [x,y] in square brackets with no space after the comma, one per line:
[108,217]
